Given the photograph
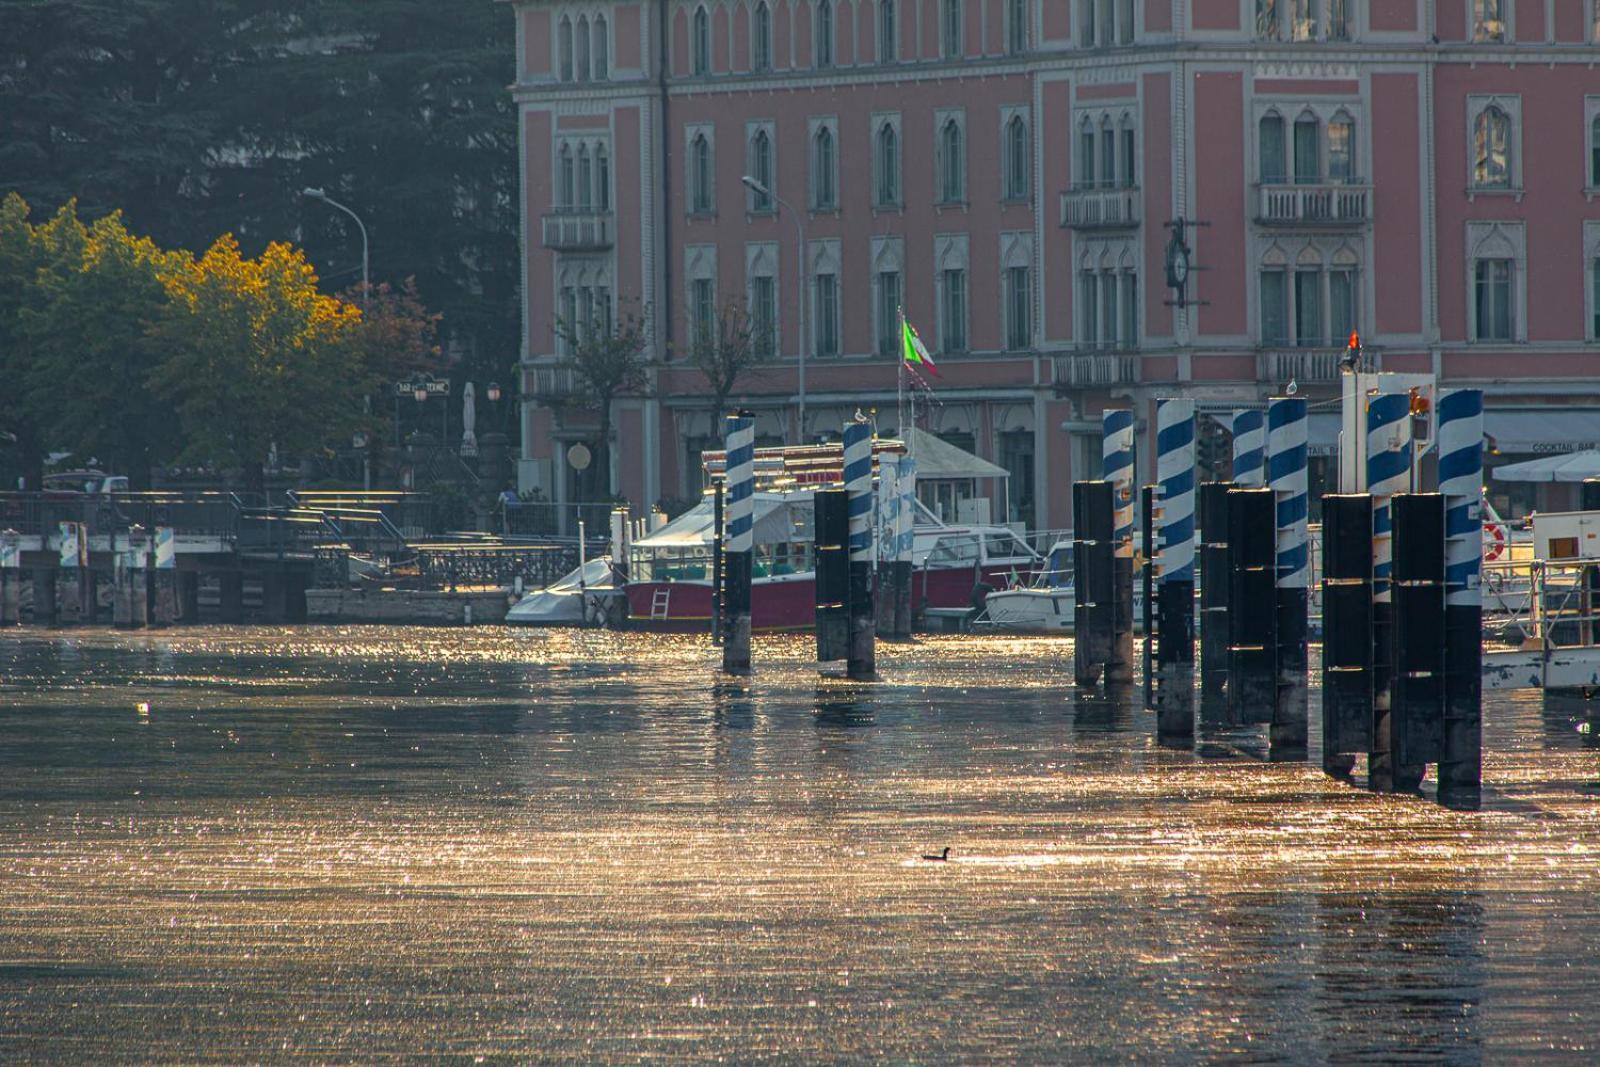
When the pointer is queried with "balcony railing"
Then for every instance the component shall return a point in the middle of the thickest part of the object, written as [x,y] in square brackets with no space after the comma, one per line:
[1305,364]
[1097,208]
[553,382]
[1085,370]
[1320,204]
[578,231]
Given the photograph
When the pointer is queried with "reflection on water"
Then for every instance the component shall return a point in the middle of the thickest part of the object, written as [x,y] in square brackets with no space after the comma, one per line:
[333,844]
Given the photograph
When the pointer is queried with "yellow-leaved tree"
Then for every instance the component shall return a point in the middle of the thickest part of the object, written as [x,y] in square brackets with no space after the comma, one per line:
[257,356]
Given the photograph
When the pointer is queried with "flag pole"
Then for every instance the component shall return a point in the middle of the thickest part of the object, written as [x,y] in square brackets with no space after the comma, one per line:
[900,376]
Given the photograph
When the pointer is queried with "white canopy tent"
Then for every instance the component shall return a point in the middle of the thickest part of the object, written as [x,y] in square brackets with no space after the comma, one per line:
[1572,467]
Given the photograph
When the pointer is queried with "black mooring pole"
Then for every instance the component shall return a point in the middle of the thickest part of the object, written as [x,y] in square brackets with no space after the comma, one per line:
[1346,630]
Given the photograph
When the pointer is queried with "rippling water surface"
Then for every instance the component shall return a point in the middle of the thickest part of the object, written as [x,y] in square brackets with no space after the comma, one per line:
[248,844]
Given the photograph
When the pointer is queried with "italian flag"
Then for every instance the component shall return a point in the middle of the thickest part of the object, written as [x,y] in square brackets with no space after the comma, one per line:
[912,349]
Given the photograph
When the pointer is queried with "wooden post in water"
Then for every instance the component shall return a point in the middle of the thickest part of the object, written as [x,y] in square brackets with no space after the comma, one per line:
[1147,504]
[1388,453]
[1286,471]
[862,661]
[1175,469]
[831,547]
[74,584]
[905,525]
[738,553]
[719,526]
[1416,710]
[10,578]
[1093,555]
[1212,509]
[1253,633]
[1346,630]
[888,498]
[168,603]
[1117,454]
[1461,483]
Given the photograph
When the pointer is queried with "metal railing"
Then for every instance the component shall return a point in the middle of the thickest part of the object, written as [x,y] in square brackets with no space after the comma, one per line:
[1092,208]
[1320,203]
[213,514]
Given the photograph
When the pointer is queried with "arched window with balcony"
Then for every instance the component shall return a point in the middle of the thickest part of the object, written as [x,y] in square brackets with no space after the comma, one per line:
[952,184]
[1017,159]
[1108,154]
[1273,164]
[602,179]
[1491,145]
[888,166]
[1128,162]
[564,47]
[585,180]
[602,50]
[1342,148]
[581,49]
[702,41]
[564,179]
[1086,171]
[1307,153]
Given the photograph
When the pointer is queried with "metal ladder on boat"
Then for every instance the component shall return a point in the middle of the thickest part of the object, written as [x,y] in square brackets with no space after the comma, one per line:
[658,603]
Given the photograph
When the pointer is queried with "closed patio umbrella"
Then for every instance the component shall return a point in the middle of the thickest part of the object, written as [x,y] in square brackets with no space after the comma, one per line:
[1572,467]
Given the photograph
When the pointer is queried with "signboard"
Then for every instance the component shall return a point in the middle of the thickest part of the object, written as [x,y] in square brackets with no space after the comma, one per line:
[74,546]
[10,550]
[434,386]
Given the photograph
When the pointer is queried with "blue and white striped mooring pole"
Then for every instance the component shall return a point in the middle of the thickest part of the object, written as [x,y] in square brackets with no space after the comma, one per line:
[1175,472]
[1249,448]
[1460,436]
[1388,473]
[1286,470]
[862,659]
[738,540]
[1117,453]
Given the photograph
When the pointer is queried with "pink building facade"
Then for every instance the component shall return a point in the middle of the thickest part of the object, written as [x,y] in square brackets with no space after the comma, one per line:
[1009,172]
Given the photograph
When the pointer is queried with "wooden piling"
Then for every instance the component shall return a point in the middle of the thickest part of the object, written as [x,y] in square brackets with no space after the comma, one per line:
[1093,569]
[738,540]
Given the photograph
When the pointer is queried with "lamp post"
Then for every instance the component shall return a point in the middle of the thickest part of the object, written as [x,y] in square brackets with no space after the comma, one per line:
[315,193]
[318,194]
[800,229]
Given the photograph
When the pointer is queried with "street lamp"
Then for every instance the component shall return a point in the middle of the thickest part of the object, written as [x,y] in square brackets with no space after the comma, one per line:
[318,194]
[800,229]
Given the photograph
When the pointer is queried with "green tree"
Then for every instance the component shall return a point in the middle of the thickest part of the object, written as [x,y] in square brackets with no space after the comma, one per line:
[21,256]
[257,356]
[606,361]
[87,329]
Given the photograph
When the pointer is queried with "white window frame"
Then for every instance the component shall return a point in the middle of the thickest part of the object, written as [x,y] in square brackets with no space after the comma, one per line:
[815,125]
[762,259]
[690,132]
[751,129]
[952,50]
[760,45]
[1498,240]
[702,54]
[1008,115]
[888,255]
[819,38]
[1289,255]
[1016,250]
[951,251]
[1591,277]
[1018,18]
[824,257]
[887,44]
[1289,111]
[1511,104]
[1591,142]
[561,45]
[941,118]
[699,265]
[891,119]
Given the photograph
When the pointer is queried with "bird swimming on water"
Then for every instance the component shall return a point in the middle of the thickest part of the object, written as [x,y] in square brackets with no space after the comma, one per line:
[941,857]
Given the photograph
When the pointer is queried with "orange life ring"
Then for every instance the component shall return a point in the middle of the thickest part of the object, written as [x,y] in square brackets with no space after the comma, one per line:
[1496,534]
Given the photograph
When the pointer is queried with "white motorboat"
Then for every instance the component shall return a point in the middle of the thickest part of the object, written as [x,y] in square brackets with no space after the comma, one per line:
[589,596]
[1044,606]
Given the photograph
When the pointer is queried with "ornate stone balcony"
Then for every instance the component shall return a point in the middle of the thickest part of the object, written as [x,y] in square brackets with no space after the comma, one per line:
[578,231]
[1318,204]
[1283,364]
[1087,369]
[1100,207]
